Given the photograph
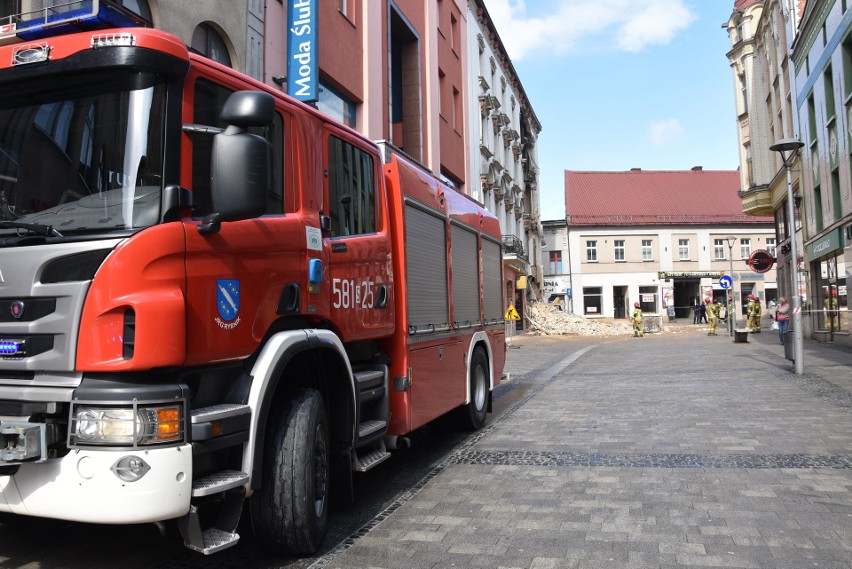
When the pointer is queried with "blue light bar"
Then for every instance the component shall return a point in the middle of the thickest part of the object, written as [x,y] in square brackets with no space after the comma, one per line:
[75,16]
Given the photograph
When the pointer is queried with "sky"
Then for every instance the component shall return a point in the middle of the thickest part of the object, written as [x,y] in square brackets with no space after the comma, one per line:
[621,84]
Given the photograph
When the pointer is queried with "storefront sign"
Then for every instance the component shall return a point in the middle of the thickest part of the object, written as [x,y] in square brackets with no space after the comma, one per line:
[302,53]
[761,261]
[826,244]
[665,276]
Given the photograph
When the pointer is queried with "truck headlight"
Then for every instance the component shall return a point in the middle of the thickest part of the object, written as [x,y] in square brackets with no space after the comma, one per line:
[133,425]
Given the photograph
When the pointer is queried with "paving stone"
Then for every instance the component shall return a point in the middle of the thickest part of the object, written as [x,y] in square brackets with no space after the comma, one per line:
[634,457]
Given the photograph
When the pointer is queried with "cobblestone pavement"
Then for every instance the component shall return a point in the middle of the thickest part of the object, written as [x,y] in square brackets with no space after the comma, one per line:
[669,451]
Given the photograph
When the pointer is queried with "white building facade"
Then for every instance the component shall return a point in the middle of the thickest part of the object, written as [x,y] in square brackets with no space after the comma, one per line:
[503,132]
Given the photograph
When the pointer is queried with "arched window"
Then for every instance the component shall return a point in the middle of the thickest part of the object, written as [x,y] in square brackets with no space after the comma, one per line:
[140,7]
[207,41]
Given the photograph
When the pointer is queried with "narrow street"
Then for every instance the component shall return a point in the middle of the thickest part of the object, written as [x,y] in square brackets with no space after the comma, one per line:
[674,450]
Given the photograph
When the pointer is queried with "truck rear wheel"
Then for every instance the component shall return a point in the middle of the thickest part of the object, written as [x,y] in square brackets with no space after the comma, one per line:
[290,511]
[472,415]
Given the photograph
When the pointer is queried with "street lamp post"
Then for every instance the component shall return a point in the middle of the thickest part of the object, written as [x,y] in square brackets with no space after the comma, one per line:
[788,147]
[732,313]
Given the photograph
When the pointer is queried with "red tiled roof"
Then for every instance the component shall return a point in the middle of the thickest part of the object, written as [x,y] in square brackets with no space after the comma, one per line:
[638,197]
[743,4]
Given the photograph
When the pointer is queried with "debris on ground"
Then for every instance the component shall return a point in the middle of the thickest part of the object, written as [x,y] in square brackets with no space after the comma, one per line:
[551,320]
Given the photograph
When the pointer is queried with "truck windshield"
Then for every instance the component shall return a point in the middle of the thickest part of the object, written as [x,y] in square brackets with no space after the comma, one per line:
[84,164]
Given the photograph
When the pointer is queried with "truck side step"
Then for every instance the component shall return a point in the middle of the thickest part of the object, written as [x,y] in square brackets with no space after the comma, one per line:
[364,462]
[218,482]
[367,428]
[216,540]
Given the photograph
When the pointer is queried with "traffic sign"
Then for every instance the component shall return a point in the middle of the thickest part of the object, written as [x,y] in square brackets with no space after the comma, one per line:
[726,282]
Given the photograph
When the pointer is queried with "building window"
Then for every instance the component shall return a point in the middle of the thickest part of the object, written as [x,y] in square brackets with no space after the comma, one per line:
[770,245]
[206,41]
[9,8]
[140,7]
[345,8]
[592,251]
[683,249]
[336,105]
[745,248]
[719,249]
[455,34]
[647,251]
[828,84]
[619,249]
[592,299]
[555,266]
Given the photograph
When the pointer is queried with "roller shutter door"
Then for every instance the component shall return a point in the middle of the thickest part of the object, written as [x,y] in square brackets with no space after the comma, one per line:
[465,256]
[492,279]
[426,261]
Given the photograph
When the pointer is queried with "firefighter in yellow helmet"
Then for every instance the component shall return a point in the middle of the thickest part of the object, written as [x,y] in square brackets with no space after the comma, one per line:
[638,328]
[754,316]
[712,315]
[830,306]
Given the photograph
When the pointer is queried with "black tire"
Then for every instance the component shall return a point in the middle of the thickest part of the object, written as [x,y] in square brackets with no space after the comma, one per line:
[472,415]
[290,512]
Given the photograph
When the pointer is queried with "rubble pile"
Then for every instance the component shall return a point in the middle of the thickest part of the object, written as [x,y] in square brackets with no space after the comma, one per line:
[550,320]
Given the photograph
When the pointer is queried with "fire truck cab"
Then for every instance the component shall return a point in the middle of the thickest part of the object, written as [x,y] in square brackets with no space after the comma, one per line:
[214,298]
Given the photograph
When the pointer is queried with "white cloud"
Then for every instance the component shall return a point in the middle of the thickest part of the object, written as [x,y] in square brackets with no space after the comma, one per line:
[625,25]
[664,132]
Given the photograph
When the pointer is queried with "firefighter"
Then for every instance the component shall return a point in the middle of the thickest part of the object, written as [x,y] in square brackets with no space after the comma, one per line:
[749,306]
[713,315]
[830,306]
[754,316]
[638,328]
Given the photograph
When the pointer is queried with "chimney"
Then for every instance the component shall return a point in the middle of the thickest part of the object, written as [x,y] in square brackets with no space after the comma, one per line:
[636,169]
[697,168]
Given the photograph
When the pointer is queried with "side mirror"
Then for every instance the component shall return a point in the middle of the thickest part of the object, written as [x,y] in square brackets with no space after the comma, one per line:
[239,163]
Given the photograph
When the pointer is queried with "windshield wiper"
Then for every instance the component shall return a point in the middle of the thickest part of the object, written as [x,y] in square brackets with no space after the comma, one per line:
[37,228]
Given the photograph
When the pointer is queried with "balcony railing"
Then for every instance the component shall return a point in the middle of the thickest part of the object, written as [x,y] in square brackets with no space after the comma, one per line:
[513,246]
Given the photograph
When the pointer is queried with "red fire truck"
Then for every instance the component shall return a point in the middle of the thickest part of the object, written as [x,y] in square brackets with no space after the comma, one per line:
[212,297]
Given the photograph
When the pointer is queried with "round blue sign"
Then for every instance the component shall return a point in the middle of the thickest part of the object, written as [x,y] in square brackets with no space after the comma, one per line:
[725,281]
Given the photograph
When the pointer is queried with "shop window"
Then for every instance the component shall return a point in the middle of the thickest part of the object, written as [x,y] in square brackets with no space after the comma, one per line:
[648,296]
[593,300]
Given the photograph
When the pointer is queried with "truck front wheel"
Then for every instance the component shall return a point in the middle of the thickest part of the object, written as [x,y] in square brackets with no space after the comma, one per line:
[290,511]
[473,414]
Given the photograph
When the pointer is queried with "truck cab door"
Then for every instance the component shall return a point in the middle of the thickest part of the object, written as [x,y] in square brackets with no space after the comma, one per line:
[357,237]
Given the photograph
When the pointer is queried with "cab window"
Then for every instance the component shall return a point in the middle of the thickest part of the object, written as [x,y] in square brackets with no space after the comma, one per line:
[351,189]
[208,103]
